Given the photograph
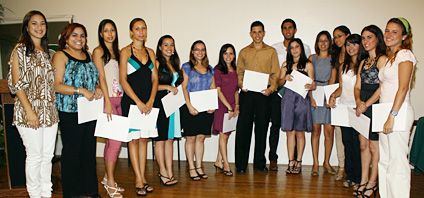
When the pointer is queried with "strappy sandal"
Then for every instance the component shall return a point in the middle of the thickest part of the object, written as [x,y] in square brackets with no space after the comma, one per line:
[347,183]
[373,189]
[340,174]
[112,192]
[167,183]
[142,190]
[104,182]
[147,186]
[358,193]
[194,178]
[228,172]
[297,169]
[203,176]
[173,179]
[290,168]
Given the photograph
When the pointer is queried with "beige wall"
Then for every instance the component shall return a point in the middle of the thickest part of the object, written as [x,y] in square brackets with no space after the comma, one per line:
[223,21]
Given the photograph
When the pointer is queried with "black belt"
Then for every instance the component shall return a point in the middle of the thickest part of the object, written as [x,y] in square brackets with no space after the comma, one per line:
[322,81]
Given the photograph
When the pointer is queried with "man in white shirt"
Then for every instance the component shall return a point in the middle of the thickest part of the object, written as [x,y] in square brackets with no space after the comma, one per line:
[288,29]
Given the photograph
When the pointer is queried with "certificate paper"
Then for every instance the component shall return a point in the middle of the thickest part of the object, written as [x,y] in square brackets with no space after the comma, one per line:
[229,125]
[298,83]
[89,110]
[142,121]
[318,95]
[204,100]
[360,124]
[380,113]
[255,81]
[339,115]
[329,89]
[172,103]
[115,129]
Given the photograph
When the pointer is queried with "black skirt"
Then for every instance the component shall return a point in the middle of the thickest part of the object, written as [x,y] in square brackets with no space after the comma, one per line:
[200,124]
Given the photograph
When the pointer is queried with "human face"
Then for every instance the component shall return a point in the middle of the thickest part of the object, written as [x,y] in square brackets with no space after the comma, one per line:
[323,43]
[228,56]
[36,27]
[139,31]
[352,48]
[393,35]
[288,30]
[199,52]
[77,39]
[167,47]
[339,38]
[295,49]
[257,33]
[369,40]
[109,33]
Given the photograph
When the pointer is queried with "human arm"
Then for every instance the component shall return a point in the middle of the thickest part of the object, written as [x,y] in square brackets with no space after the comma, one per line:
[240,70]
[274,74]
[218,83]
[337,92]
[98,62]
[360,105]
[212,87]
[169,88]
[155,82]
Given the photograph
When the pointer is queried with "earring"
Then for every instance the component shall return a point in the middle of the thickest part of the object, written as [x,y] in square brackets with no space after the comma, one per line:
[66,46]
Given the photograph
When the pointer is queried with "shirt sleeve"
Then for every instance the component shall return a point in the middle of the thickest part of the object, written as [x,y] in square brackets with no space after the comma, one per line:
[240,68]
[275,71]
[22,81]
[218,80]
[406,55]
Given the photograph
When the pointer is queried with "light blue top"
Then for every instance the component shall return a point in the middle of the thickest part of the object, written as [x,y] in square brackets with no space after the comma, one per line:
[198,81]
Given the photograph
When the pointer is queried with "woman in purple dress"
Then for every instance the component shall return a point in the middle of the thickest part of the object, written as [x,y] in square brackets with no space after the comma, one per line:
[226,83]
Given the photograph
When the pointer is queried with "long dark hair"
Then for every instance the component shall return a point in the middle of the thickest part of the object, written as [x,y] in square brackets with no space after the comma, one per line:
[353,38]
[205,61]
[335,50]
[328,35]
[302,60]
[174,60]
[66,33]
[115,46]
[381,46]
[222,65]
[25,38]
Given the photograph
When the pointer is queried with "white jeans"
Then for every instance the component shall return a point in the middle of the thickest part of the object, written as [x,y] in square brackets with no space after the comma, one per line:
[39,146]
[394,173]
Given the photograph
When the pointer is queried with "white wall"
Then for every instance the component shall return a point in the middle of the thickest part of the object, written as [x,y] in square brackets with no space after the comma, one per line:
[222,21]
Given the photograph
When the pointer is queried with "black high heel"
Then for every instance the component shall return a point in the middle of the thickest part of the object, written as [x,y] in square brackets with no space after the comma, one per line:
[290,168]
[203,176]
[168,183]
[358,192]
[217,167]
[373,189]
[297,169]
[195,178]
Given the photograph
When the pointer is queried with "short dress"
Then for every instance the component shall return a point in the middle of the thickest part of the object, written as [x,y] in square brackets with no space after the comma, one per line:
[295,110]
[200,124]
[229,85]
[168,128]
[322,66]
[369,84]
[139,77]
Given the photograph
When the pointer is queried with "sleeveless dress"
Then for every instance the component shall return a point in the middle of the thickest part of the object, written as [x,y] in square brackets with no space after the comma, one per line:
[168,128]
[295,110]
[322,66]
[139,77]
[369,84]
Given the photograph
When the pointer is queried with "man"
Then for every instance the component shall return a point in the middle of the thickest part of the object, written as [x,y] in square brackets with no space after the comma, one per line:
[255,106]
[288,29]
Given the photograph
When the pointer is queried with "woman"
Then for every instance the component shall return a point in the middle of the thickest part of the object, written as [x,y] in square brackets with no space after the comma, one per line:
[338,52]
[170,76]
[347,79]
[396,77]
[106,57]
[138,77]
[296,115]
[198,76]
[75,77]
[35,114]
[321,114]
[367,92]
[226,83]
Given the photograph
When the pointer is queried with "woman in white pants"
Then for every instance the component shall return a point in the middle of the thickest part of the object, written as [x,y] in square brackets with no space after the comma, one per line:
[395,78]
[31,78]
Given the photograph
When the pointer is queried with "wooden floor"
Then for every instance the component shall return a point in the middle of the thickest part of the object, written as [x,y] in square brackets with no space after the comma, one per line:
[252,184]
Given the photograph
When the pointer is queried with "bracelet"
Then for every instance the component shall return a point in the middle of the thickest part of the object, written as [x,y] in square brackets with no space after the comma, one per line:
[393,112]
[167,88]
[331,96]
[76,91]
[230,110]
[237,105]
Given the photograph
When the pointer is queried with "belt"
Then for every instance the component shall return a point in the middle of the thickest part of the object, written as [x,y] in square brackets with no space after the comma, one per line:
[322,81]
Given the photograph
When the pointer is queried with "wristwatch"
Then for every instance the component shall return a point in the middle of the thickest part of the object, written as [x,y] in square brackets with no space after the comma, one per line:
[393,112]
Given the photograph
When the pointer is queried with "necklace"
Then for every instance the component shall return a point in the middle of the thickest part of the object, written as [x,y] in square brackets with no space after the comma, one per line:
[140,50]
[370,62]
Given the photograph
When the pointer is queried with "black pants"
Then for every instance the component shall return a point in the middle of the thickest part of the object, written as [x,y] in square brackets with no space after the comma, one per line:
[78,160]
[352,154]
[254,108]
[276,125]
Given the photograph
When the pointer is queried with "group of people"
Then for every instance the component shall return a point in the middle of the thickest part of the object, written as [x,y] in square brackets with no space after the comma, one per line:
[370,67]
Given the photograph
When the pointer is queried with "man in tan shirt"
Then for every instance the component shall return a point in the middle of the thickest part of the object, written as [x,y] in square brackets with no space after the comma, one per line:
[255,106]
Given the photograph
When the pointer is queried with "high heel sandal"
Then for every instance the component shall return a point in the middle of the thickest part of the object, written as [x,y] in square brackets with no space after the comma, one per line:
[112,191]
[143,190]
[217,167]
[228,172]
[203,176]
[173,179]
[327,170]
[290,168]
[168,183]
[147,186]
[373,189]
[358,193]
[195,178]
[104,182]
[340,174]
[297,169]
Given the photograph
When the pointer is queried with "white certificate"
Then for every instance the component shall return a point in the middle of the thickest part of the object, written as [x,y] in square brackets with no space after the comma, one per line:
[89,110]
[318,95]
[298,83]
[380,113]
[115,129]
[339,115]
[329,89]
[204,100]
[360,124]
[229,125]
[172,103]
[255,81]
[143,121]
